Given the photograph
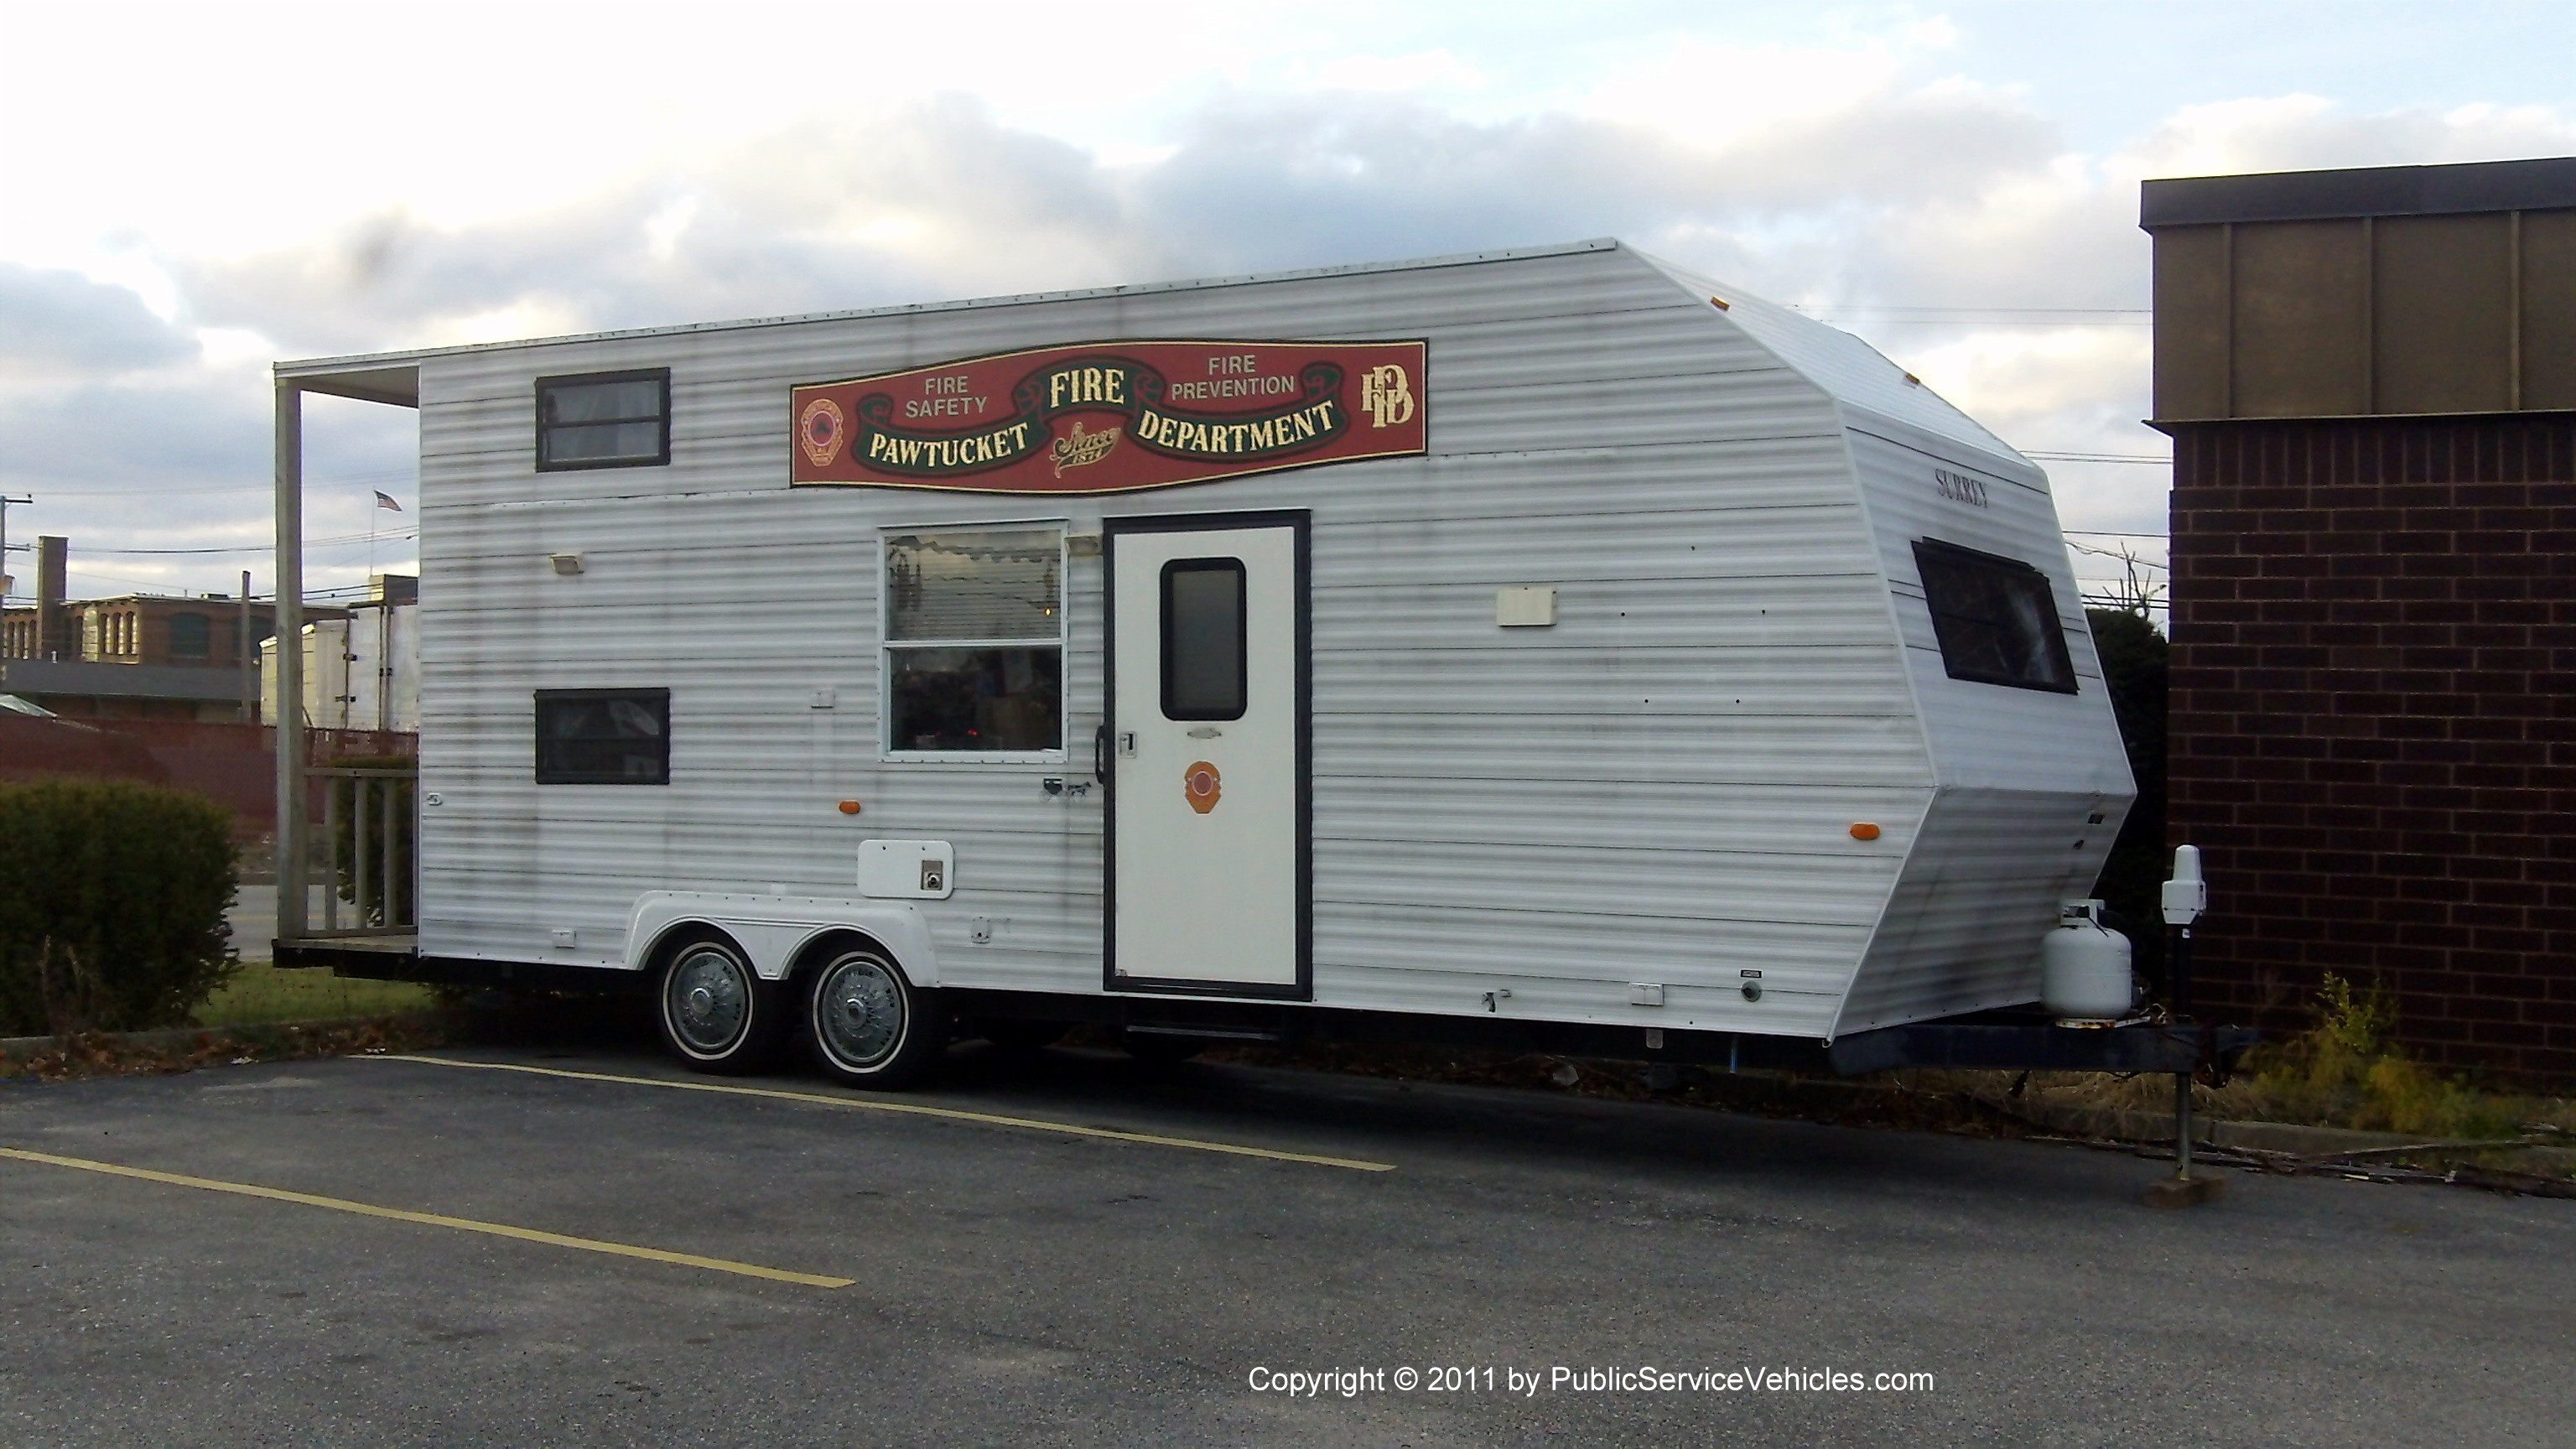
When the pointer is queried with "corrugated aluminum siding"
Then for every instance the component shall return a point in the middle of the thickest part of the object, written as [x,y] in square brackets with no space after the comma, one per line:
[2020,773]
[1657,789]
[2023,774]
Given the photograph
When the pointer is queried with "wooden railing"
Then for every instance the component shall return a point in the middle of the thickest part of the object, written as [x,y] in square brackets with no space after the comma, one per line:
[371,831]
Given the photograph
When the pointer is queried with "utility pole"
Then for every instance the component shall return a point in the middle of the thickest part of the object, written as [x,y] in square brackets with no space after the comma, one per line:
[7,583]
[292,828]
[248,650]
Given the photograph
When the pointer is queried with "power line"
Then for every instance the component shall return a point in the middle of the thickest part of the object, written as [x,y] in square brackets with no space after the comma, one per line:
[113,579]
[1975,322]
[1875,316]
[264,547]
[362,481]
[2127,558]
[1987,311]
[2101,458]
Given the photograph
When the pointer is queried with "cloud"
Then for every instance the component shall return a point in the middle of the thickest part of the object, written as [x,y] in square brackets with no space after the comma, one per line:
[939,199]
[55,320]
[2304,132]
[128,435]
[892,207]
[1875,187]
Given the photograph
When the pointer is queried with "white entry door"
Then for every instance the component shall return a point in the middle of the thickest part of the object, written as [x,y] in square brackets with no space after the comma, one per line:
[1208,886]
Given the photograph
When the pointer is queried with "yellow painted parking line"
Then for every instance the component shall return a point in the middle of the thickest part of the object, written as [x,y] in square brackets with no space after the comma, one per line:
[435,1220]
[867,1104]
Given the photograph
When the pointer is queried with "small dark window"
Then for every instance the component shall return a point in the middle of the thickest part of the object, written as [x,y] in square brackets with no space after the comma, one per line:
[1203,637]
[604,420]
[191,636]
[603,736]
[1996,618]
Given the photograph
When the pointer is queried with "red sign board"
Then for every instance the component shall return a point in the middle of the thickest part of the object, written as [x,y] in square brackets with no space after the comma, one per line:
[1110,417]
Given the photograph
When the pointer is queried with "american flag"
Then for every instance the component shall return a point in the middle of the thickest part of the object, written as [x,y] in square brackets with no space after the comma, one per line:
[386,500]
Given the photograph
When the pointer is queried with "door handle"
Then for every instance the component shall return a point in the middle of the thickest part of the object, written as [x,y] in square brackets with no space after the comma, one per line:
[1100,754]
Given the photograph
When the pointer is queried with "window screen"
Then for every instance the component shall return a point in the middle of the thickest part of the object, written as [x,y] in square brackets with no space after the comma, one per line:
[974,640]
[1203,634]
[603,736]
[1996,618]
[604,420]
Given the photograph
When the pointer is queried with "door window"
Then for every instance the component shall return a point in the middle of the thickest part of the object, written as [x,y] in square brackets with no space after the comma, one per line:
[1203,637]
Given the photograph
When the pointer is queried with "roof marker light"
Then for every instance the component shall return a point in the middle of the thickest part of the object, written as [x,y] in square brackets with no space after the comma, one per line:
[1864,831]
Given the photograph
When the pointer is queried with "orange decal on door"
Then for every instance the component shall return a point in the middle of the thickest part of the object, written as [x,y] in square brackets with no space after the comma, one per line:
[1201,785]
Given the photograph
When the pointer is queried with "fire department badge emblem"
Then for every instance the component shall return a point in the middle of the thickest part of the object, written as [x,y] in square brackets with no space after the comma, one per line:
[1201,785]
[821,429]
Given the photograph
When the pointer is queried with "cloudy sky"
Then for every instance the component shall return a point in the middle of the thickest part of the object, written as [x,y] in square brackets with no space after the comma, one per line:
[190,192]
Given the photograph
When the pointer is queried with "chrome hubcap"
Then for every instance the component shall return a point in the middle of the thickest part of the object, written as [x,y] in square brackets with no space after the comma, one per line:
[709,1001]
[858,1012]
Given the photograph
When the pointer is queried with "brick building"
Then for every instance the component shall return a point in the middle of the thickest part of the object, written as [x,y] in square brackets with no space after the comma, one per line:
[2370,380]
[139,656]
[152,629]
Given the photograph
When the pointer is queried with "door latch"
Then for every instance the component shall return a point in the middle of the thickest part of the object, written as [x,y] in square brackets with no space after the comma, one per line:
[1127,744]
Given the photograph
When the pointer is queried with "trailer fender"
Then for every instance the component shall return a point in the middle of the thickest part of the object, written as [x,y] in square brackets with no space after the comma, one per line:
[775,930]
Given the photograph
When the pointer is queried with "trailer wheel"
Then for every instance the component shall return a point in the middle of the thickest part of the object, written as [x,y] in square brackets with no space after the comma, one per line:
[868,1025]
[717,1014]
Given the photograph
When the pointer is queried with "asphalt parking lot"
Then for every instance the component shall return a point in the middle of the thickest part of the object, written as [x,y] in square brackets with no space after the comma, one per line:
[797,1264]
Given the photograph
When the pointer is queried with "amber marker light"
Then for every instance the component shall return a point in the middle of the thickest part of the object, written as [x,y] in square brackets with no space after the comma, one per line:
[1864,831]
[851,807]
[1719,303]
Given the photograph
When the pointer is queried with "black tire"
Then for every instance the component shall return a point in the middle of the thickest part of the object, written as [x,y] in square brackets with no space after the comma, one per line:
[867,1025]
[1020,1033]
[716,1014]
[1158,1049]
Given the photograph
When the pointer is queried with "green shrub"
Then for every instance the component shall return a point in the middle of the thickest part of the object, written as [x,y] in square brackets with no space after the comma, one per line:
[112,899]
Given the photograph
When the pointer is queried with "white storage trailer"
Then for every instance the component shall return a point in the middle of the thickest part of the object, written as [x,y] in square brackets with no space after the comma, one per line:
[1547,641]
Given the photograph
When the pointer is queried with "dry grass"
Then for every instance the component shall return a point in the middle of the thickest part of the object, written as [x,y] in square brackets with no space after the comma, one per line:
[2346,1071]
[109,1054]
[261,993]
[2343,1071]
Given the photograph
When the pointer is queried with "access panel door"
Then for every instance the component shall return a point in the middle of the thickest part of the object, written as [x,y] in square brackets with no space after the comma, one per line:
[1208,884]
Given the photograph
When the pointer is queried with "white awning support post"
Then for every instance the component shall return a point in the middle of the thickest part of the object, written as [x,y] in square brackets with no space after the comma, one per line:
[292,846]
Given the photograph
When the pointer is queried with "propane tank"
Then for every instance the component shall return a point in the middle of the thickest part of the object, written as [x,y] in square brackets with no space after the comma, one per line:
[2084,967]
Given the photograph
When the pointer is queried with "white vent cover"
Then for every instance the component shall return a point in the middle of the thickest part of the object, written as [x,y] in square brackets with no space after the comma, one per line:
[1525,608]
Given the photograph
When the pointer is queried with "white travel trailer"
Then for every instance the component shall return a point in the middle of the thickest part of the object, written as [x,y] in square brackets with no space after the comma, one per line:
[1544,641]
